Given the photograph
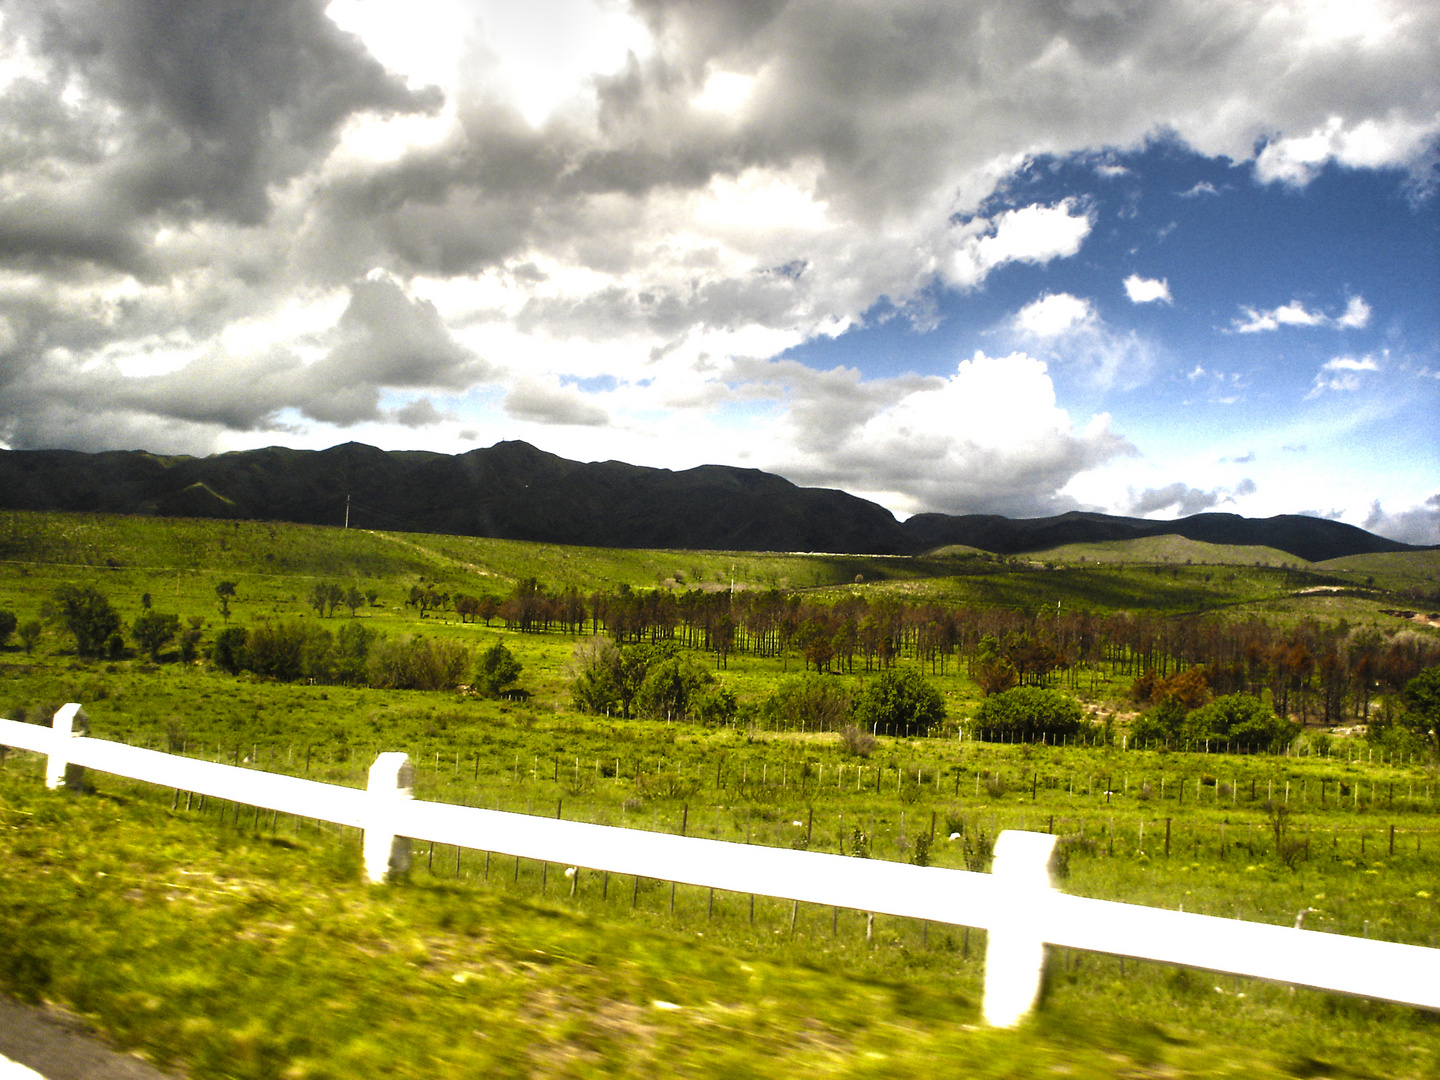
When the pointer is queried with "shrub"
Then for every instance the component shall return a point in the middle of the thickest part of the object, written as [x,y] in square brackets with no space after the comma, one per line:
[1026,713]
[857,741]
[669,688]
[1241,719]
[8,622]
[416,663]
[811,701]
[901,702]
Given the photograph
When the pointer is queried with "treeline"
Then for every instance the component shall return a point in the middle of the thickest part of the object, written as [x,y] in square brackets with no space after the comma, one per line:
[1318,672]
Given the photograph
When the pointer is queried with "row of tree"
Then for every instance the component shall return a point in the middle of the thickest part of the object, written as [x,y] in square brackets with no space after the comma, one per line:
[1325,672]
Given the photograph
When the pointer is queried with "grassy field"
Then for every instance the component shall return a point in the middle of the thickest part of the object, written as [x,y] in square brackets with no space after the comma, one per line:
[230,943]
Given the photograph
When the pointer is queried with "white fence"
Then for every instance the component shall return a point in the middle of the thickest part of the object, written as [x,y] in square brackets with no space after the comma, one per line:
[1016,903]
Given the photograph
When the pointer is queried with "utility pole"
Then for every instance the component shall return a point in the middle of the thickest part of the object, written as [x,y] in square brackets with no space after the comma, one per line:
[347,511]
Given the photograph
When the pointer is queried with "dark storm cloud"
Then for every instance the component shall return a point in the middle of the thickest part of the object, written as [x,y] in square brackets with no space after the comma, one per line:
[1186,500]
[213,101]
[384,339]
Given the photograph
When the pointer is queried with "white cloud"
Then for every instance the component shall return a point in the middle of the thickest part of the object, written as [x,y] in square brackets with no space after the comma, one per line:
[1295,313]
[988,438]
[1054,314]
[1147,290]
[1357,314]
[1370,143]
[1033,234]
[1342,375]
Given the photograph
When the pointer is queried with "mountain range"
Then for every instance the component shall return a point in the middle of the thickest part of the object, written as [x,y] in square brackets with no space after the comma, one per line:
[514,491]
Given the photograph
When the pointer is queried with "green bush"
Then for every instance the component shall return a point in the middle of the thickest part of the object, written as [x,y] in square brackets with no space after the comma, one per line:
[1239,719]
[8,622]
[228,653]
[901,703]
[416,663]
[1027,713]
[815,702]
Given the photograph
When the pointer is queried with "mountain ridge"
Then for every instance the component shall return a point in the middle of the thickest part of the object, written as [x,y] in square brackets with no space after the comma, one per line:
[516,491]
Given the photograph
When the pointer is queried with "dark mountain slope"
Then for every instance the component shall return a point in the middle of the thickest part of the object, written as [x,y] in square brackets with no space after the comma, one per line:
[513,491]
[1308,538]
[510,490]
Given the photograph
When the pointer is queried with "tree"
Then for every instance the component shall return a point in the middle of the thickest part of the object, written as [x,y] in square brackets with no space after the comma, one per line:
[1421,702]
[30,632]
[152,631]
[416,663]
[991,669]
[86,613]
[8,622]
[901,702]
[352,652]
[354,600]
[325,596]
[496,670]
[225,591]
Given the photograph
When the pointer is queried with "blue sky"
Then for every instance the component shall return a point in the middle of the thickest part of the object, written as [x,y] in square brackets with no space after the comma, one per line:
[1148,257]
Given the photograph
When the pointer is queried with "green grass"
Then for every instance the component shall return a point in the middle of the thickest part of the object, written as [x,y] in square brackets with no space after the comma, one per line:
[235,945]
[228,945]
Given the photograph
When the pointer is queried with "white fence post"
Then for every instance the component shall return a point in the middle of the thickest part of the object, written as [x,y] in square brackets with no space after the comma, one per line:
[392,780]
[69,723]
[1015,953]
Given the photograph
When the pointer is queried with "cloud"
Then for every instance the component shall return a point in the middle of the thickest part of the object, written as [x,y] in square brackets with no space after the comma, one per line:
[1355,316]
[1069,331]
[1341,374]
[1147,290]
[1185,500]
[1199,188]
[420,413]
[382,339]
[1371,143]
[547,402]
[1418,525]
[1054,314]
[989,438]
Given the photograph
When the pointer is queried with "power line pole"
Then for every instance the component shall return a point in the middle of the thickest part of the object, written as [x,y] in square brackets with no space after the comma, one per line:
[347,511]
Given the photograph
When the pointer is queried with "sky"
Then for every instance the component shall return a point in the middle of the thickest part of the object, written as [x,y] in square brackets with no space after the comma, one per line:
[1145,257]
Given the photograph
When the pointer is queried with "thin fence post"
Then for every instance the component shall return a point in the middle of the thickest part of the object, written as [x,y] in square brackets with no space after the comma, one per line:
[70,722]
[392,782]
[1015,951]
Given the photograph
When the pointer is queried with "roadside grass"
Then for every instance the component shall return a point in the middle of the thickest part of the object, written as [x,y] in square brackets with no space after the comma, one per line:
[224,948]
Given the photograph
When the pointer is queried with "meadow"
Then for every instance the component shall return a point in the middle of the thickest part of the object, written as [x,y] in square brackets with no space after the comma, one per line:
[231,943]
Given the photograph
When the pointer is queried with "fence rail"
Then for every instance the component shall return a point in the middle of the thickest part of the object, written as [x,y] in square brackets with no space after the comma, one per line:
[1016,903]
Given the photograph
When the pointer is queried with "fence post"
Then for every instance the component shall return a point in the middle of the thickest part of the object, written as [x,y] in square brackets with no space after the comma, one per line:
[70,722]
[392,780]
[1015,953]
